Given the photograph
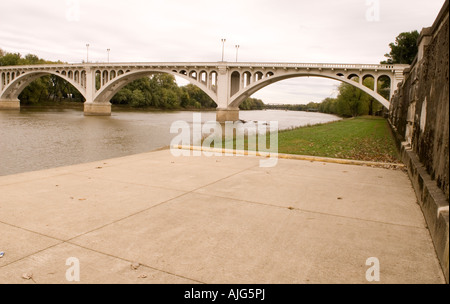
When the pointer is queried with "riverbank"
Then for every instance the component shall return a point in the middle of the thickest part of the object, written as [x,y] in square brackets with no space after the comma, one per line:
[41,138]
[114,107]
[366,138]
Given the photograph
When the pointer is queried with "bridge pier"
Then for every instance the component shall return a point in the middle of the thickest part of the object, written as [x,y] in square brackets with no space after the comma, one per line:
[223,115]
[9,104]
[97,108]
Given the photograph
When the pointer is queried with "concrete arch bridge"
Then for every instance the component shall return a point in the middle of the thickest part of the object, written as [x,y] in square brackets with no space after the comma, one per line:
[228,84]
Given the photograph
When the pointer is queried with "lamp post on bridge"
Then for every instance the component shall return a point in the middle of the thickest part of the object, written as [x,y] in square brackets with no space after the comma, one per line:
[223,46]
[108,53]
[237,49]
[87,53]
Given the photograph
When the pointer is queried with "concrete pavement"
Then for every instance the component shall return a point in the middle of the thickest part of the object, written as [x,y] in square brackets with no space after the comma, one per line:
[156,218]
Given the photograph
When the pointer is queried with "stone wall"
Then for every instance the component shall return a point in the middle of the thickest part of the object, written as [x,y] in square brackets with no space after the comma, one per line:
[419,117]
[420,108]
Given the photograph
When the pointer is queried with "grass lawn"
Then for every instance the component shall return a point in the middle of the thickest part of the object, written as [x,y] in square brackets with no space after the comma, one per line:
[364,138]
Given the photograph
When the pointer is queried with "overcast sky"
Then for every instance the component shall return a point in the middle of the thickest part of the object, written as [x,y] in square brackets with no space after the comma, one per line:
[317,31]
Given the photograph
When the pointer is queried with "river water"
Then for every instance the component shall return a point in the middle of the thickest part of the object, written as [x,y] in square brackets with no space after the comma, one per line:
[41,138]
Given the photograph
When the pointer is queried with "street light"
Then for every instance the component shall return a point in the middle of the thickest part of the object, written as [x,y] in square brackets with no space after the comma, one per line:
[87,53]
[237,48]
[223,46]
[108,53]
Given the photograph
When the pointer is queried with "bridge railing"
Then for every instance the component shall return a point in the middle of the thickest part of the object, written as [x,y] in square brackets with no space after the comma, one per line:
[320,65]
[162,65]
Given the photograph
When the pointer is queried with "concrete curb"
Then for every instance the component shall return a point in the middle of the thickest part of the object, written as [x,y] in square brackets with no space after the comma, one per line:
[290,156]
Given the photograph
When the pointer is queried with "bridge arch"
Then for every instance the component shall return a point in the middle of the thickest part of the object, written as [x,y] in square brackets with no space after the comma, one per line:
[384,87]
[353,75]
[110,88]
[243,94]
[17,84]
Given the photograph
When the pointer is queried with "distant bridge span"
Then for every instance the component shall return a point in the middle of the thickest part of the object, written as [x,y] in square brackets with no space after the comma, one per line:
[228,84]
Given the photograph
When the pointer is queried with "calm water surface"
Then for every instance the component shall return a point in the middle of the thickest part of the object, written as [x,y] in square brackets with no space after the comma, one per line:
[34,139]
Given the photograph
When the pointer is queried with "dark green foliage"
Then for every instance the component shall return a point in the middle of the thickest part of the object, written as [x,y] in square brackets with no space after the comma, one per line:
[10,59]
[252,104]
[162,91]
[404,49]
[351,101]
[310,107]
[45,88]
[194,97]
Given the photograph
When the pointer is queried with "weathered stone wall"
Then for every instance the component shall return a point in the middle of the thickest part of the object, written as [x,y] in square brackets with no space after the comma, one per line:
[419,110]
[419,117]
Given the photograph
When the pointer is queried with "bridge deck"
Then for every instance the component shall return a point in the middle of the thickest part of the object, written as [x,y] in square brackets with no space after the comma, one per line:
[213,64]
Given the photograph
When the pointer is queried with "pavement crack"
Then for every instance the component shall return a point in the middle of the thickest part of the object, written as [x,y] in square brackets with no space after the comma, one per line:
[310,211]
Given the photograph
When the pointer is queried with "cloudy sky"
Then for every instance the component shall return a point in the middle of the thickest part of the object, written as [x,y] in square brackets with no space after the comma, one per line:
[316,31]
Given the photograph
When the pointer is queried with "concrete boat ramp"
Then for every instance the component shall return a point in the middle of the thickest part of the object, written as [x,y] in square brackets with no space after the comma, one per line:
[157,218]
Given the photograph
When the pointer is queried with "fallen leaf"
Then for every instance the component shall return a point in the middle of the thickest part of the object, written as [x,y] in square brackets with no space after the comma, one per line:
[135,266]
[27,276]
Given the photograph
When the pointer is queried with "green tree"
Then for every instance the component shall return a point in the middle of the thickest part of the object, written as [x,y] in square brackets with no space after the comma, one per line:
[33,59]
[312,106]
[137,98]
[185,100]
[122,97]
[328,105]
[171,98]
[352,101]
[404,49]
[384,87]
[197,95]
[252,104]
[35,92]
[45,88]
[10,59]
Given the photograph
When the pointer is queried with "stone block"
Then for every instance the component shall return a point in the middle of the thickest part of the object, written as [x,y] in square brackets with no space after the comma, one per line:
[97,109]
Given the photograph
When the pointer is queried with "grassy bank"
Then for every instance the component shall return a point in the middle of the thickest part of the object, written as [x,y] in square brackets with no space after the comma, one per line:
[364,138]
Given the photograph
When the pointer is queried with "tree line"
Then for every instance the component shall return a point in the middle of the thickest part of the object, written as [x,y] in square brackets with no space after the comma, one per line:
[350,101]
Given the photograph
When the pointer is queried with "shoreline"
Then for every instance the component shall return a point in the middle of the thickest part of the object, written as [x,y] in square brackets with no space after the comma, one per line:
[128,108]
[34,162]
